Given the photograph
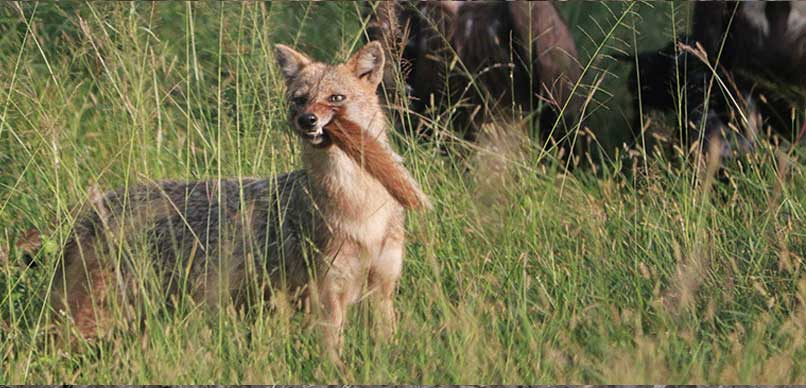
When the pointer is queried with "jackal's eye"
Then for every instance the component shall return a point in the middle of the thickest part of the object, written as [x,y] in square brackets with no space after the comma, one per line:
[299,101]
[336,98]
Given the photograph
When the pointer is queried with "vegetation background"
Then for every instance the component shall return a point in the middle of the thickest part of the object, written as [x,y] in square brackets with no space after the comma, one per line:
[639,267]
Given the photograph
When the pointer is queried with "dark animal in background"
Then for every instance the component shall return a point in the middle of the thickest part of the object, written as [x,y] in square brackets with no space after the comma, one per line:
[764,50]
[759,49]
[671,79]
[489,60]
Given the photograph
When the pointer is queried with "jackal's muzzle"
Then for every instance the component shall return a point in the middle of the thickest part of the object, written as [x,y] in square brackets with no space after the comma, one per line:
[311,128]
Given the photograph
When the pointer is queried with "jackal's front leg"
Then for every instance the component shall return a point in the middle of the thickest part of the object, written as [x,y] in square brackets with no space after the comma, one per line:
[336,292]
[333,311]
[383,278]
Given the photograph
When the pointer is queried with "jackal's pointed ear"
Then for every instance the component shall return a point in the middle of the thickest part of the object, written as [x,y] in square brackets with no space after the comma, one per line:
[367,63]
[290,60]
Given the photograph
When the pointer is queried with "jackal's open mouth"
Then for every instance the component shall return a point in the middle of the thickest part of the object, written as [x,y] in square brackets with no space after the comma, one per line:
[318,138]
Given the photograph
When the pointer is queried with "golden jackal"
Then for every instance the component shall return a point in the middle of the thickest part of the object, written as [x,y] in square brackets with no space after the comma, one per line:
[332,232]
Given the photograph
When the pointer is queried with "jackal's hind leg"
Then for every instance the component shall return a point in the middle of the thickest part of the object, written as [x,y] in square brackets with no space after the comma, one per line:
[79,289]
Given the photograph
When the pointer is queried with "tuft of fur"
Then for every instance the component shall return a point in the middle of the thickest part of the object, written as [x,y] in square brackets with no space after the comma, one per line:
[378,160]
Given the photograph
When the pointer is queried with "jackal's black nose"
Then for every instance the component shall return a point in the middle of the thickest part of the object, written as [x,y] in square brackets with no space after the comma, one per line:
[307,121]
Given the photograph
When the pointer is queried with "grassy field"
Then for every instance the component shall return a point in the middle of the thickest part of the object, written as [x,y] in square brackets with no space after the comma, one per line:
[642,268]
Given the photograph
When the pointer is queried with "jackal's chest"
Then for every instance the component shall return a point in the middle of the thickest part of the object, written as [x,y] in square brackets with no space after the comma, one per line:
[369,227]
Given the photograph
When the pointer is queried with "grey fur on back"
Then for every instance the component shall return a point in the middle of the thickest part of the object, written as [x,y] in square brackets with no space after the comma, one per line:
[195,229]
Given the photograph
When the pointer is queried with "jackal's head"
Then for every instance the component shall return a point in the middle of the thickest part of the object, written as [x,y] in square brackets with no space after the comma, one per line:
[316,91]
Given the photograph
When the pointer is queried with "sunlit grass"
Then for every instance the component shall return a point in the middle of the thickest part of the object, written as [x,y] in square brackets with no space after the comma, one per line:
[640,269]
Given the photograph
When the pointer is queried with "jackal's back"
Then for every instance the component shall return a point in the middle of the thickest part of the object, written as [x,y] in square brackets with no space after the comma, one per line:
[194,229]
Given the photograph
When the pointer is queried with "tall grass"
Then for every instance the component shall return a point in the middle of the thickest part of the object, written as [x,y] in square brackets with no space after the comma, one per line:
[642,268]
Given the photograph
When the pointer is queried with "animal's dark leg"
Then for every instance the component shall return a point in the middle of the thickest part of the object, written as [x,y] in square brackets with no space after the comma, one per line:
[80,285]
